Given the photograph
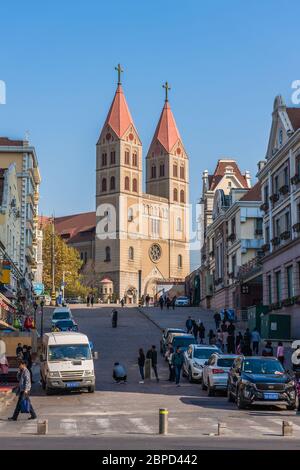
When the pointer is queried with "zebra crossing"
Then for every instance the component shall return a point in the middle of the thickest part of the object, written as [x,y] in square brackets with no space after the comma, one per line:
[243,427]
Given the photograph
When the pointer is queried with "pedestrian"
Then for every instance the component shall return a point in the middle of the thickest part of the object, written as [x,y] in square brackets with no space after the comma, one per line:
[217,318]
[280,352]
[92,300]
[161,302]
[19,350]
[255,338]
[152,354]
[247,343]
[141,364]
[23,391]
[88,301]
[174,302]
[4,367]
[201,332]
[189,324]
[226,317]
[147,300]
[114,318]
[122,302]
[168,303]
[239,337]
[268,350]
[168,357]
[230,344]
[210,336]
[231,328]
[219,342]
[177,361]
[195,329]
[119,373]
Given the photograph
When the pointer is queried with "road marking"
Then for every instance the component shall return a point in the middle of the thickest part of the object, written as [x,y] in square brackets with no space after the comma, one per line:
[263,429]
[139,423]
[69,426]
[103,423]
[279,421]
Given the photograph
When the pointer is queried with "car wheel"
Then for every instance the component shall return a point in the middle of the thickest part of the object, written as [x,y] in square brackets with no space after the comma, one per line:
[240,402]
[203,386]
[230,397]
[91,389]
[210,390]
[190,376]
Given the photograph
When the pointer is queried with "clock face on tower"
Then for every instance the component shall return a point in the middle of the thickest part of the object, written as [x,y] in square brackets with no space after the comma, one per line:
[155,252]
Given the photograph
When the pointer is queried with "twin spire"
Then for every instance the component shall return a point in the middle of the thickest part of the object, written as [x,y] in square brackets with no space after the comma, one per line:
[120,119]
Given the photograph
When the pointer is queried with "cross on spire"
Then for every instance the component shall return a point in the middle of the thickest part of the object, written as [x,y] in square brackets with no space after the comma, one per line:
[167,88]
[119,70]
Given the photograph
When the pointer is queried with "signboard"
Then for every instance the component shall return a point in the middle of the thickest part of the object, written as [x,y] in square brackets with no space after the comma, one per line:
[5,272]
[273,326]
[38,288]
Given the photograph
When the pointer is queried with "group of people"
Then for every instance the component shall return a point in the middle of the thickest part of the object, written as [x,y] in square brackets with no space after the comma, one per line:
[164,300]
[90,300]
[175,361]
[120,373]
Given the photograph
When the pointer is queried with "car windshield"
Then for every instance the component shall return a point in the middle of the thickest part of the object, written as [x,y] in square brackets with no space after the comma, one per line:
[203,353]
[182,298]
[60,315]
[183,342]
[65,324]
[225,362]
[65,352]
[260,366]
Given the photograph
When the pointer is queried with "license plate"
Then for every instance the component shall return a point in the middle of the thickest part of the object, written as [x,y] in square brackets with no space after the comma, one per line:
[73,384]
[271,396]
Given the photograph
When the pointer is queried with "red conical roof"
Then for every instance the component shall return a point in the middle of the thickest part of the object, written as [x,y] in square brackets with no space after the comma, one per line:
[166,131]
[119,117]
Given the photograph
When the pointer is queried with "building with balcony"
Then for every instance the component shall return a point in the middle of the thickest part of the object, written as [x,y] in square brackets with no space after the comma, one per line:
[279,175]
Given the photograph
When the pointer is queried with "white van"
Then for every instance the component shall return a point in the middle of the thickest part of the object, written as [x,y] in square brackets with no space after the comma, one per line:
[67,362]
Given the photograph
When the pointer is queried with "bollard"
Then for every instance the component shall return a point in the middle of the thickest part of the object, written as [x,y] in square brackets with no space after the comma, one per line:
[163,421]
[42,427]
[148,367]
[221,429]
[287,428]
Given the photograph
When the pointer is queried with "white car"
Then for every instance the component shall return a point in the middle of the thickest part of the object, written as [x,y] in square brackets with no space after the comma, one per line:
[215,372]
[182,302]
[194,359]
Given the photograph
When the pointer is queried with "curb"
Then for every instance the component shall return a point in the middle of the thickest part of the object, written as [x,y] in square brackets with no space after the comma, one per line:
[150,319]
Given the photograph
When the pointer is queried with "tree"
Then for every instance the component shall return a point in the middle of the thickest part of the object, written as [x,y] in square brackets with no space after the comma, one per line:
[66,259]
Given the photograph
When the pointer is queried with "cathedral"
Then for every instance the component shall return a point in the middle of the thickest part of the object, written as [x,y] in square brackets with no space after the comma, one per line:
[142,238]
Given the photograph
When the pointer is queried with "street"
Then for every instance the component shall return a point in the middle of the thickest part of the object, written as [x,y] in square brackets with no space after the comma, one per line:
[126,415]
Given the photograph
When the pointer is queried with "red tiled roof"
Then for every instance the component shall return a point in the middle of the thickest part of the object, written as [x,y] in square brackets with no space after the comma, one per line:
[75,224]
[119,117]
[6,142]
[294,116]
[166,131]
[220,172]
[254,194]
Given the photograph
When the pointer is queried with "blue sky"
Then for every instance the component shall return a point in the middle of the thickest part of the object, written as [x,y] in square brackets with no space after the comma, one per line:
[225,61]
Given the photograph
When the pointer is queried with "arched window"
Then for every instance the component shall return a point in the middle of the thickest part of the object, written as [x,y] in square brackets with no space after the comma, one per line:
[153,172]
[175,171]
[131,253]
[107,253]
[179,261]
[182,196]
[104,159]
[134,185]
[113,157]
[134,159]
[162,170]
[127,157]
[179,224]
[182,172]
[175,195]
[112,182]
[127,187]
[104,185]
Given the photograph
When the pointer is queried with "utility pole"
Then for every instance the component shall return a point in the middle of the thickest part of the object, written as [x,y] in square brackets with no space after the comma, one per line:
[53,293]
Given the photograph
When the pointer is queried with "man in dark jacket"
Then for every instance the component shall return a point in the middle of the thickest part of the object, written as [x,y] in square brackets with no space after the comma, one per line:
[24,388]
[177,361]
[152,354]
[189,324]
[217,318]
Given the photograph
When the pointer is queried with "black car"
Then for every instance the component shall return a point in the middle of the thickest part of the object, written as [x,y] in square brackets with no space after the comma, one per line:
[260,380]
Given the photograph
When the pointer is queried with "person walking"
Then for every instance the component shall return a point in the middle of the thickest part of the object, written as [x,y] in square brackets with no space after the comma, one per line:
[122,302]
[88,301]
[168,357]
[177,361]
[210,336]
[4,369]
[152,354]
[19,350]
[268,350]
[247,343]
[231,328]
[23,391]
[280,352]
[217,318]
[189,324]
[92,300]
[141,364]
[161,302]
[238,339]
[230,344]
[255,338]
[201,332]
[174,302]
[168,303]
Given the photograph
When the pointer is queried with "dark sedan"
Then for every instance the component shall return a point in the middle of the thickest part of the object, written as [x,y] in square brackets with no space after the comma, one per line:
[260,381]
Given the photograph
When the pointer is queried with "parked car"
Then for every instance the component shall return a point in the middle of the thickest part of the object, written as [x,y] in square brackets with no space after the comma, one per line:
[182,340]
[166,337]
[260,381]
[182,302]
[65,325]
[195,357]
[61,313]
[73,300]
[215,372]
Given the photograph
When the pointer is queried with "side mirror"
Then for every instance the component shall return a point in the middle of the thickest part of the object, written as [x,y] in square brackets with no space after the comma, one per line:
[95,355]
